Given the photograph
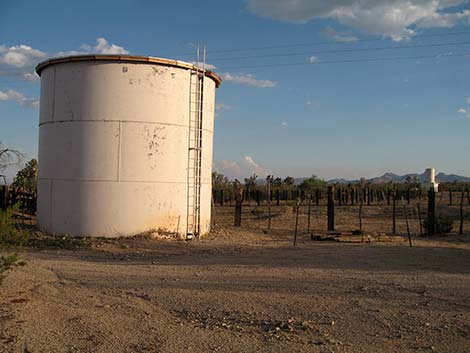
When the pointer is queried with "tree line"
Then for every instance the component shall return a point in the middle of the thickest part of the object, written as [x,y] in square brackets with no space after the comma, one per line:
[277,189]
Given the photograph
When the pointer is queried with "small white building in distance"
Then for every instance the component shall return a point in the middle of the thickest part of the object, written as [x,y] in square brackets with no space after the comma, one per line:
[430,179]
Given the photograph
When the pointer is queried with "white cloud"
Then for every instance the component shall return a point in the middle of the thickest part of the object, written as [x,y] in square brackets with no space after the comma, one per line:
[221,107]
[440,55]
[30,76]
[234,166]
[20,60]
[103,47]
[464,112]
[247,80]
[229,168]
[313,60]
[245,168]
[339,36]
[284,124]
[308,103]
[255,167]
[20,55]
[10,95]
[395,19]
[20,98]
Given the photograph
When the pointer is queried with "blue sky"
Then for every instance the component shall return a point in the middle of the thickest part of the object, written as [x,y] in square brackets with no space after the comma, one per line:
[324,115]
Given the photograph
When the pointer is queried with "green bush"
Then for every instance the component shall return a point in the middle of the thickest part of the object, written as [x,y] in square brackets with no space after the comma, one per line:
[11,236]
[443,224]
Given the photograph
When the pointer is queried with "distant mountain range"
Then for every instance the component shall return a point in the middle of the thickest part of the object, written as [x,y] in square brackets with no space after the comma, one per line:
[395,178]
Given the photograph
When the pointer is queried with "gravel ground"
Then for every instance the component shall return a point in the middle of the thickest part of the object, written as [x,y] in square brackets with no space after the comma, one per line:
[240,290]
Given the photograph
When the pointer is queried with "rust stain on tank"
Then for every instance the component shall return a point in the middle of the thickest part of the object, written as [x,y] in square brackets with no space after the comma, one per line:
[159,70]
[154,139]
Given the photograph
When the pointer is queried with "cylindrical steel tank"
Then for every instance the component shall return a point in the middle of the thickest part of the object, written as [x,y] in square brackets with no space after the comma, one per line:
[115,145]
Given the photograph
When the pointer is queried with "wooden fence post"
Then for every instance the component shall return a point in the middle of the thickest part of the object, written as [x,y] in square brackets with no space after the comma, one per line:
[269,201]
[296,220]
[309,212]
[418,206]
[361,202]
[461,212]
[331,210]
[394,210]
[405,212]
[431,221]
[238,212]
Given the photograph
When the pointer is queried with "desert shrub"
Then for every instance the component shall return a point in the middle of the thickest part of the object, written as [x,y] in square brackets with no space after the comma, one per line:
[41,241]
[312,184]
[7,262]
[443,224]
[10,234]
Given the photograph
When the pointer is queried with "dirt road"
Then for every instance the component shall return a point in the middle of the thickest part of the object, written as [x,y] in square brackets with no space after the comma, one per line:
[240,291]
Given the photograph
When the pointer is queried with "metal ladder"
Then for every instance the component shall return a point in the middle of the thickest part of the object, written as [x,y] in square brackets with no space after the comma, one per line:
[196,98]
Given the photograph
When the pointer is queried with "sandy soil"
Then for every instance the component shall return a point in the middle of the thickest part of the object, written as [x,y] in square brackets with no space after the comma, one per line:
[240,290]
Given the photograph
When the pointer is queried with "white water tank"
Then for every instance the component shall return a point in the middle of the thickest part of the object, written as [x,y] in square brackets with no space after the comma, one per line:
[430,174]
[430,182]
[115,146]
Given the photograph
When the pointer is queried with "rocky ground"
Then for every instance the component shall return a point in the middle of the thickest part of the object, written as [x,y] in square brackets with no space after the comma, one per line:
[240,290]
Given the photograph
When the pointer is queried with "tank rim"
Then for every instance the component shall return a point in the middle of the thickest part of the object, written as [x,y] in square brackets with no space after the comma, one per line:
[126,58]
